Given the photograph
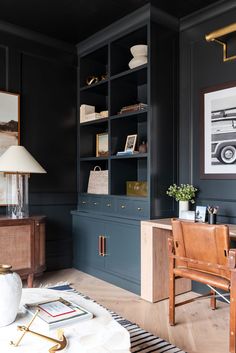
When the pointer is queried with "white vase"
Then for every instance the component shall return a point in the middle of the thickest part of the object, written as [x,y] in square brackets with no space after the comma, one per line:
[10,294]
[139,53]
[183,206]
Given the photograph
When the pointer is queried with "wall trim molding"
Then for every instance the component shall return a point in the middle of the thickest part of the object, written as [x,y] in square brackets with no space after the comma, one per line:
[206,13]
[36,37]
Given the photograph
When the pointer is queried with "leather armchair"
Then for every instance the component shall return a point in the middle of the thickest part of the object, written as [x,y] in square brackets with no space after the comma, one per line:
[201,253]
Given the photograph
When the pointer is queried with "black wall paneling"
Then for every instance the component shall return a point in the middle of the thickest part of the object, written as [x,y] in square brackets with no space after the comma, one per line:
[45,77]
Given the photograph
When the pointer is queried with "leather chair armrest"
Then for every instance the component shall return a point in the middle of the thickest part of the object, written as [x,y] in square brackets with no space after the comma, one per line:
[232,258]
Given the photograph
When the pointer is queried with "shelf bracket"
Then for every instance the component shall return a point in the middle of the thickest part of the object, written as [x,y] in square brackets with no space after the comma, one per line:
[213,37]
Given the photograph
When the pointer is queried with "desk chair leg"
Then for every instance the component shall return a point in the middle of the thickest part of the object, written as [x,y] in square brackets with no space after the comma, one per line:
[171,293]
[232,333]
[213,300]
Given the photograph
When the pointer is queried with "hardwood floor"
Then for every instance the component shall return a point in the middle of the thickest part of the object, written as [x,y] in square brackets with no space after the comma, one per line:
[198,330]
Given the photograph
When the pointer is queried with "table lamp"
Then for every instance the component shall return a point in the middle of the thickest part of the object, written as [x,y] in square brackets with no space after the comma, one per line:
[17,164]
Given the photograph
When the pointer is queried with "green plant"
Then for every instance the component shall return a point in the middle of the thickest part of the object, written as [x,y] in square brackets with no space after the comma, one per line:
[184,192]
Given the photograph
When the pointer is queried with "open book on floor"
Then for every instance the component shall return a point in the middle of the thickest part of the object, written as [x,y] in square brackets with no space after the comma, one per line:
[58,312]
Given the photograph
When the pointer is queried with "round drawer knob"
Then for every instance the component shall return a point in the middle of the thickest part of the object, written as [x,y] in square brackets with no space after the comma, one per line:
[139,209]
[108,204]
[95,203]
[122,206]
[83,202]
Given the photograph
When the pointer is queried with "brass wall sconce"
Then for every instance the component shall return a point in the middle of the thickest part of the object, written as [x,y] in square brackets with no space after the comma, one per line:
[215,35]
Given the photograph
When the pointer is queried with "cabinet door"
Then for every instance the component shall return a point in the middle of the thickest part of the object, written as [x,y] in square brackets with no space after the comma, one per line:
[123,250]
[86,232]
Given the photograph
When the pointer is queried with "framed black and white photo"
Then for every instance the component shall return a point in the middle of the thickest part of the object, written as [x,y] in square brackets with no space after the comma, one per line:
[218,132]
[130,143]
[200,214]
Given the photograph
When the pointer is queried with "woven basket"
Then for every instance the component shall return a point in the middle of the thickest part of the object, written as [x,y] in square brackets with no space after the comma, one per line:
[98,181]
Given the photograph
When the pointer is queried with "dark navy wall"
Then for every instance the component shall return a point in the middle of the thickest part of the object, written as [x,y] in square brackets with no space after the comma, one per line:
[201,66]
[44,73]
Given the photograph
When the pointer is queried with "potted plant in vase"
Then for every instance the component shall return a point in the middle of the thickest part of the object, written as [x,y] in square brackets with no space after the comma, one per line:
[184,193]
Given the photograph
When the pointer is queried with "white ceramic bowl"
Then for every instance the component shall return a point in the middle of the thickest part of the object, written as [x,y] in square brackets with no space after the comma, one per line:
[139,50]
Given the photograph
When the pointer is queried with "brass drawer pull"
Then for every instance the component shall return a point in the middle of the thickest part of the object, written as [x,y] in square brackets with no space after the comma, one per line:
[123,206]
[100,246]
[108,204]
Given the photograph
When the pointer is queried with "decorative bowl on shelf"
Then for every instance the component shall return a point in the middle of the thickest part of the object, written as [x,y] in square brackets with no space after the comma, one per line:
[139,50]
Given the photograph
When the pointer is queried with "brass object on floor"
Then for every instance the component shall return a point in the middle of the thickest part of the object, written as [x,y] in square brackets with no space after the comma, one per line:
[213,37]
[60,343]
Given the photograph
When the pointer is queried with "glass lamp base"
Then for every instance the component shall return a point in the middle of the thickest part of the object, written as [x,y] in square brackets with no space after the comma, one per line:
[17,195]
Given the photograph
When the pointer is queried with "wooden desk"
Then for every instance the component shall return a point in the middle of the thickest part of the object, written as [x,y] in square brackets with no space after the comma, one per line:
[154,260]
[22,245]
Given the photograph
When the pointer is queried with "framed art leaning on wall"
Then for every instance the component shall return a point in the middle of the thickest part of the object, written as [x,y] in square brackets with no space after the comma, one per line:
[9,130]
[218,132]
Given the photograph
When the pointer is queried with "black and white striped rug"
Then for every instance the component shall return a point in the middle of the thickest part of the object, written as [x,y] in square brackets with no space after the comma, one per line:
[141,340]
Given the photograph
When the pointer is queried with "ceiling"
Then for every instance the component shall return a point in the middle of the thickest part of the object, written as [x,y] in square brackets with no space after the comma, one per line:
[74,20]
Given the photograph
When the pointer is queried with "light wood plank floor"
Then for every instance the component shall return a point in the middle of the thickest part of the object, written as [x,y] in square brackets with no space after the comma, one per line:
[199,329]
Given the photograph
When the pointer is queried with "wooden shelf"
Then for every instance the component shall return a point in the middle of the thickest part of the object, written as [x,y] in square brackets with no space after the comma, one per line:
[87,159]
[94,122]
[139,113]
[132,156]
[93,86]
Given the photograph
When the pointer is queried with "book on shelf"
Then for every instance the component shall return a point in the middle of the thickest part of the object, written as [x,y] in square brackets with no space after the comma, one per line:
[57,312]
[126,153]
[133,108]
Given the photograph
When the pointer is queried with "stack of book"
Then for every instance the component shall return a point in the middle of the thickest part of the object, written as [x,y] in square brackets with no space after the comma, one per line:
[133,108]
[56,312]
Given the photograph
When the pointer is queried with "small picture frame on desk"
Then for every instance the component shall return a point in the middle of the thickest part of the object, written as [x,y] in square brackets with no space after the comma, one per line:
[200,214]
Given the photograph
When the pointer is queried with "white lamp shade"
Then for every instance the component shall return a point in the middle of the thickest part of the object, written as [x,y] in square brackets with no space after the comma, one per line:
[17,159]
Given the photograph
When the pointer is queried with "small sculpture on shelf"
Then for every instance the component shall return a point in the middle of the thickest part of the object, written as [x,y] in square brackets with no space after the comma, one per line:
[212,214]
[139,53]
[143,147]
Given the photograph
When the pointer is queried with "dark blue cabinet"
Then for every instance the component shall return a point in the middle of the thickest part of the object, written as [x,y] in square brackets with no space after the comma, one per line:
[120,261]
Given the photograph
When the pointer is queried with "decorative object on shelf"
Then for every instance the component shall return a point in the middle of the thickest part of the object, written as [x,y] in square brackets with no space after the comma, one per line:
[212,214]
[220,33]
[90,80]
[98,181]
[200,214]
[136,188]
[133,108]
[130,143]
[10,131]
[139,53]
[86,110]
[60,342]
[10,294]
[184,193]
[102,145]
[104,114]
[218,130]
[17,164]
[143,147]
[188,215]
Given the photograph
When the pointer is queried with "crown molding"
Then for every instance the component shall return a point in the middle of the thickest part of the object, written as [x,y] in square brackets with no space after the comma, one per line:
[206,13]
[36,37]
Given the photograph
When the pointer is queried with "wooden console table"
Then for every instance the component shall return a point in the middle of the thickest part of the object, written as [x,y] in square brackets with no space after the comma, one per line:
[22,245]
[154,260]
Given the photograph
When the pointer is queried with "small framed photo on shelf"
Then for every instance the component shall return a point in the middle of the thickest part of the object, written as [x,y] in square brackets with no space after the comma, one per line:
[130,143]
[102,145]
[200,214]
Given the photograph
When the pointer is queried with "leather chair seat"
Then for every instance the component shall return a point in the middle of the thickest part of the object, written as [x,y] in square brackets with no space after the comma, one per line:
[203,277]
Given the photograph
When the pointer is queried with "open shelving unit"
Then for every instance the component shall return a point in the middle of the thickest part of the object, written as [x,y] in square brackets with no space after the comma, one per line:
[107,227]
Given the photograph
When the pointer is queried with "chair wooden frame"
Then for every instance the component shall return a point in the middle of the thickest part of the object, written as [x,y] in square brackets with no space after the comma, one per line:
[202,269]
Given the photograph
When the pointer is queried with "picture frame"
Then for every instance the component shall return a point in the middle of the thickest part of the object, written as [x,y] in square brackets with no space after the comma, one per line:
[218,132]
[9,131]
[130,143]
[200,214]
[102,149]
